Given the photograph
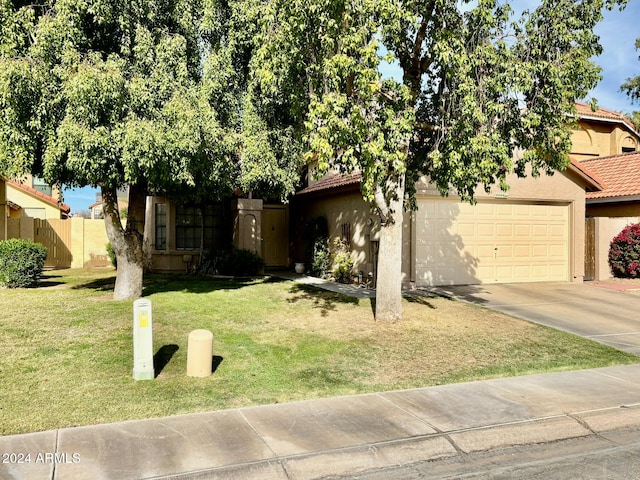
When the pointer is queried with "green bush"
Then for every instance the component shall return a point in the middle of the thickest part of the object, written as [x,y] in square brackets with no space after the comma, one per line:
[21,262]
[320,258]
[236,262]
[624,252]
[342,263]
[112,255]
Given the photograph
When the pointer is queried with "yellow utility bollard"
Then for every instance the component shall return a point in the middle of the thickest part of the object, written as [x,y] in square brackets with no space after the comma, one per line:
[200,353]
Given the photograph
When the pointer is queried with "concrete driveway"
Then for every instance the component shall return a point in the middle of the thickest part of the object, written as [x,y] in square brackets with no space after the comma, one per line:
[607,316]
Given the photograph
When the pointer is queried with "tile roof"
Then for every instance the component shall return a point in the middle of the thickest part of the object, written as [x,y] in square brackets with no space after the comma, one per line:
[592,178]
[331,182]
[583,110]
[619,173]
[42,196]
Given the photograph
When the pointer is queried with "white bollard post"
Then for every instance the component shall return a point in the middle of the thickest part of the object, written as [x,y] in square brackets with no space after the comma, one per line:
[200,353]
[142,340]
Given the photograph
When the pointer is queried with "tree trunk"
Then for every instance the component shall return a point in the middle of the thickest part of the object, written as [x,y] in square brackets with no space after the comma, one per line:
[126,241]
[389,273]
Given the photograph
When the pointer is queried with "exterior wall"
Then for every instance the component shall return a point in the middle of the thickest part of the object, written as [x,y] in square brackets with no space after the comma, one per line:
[596,139]
[31,206]
[88,243]
[622,209]
[606,229]
[21,227]
[83,240]
[346,208]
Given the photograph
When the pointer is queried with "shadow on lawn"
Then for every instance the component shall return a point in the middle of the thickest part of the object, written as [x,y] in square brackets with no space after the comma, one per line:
[158,283]
[163,356]
[322,299]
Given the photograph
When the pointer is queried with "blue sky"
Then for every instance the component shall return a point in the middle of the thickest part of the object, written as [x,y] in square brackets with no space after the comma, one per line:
[619,61]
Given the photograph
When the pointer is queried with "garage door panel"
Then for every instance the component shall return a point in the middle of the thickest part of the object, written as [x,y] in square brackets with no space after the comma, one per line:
[491,242]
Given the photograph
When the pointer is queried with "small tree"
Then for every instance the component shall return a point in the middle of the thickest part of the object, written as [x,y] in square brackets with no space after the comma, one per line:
[624,252]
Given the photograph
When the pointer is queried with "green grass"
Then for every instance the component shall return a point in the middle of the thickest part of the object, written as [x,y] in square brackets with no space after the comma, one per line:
[67,348]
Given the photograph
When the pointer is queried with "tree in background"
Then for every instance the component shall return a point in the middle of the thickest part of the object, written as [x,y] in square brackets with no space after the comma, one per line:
[144,94]
[475,87]
[632,88]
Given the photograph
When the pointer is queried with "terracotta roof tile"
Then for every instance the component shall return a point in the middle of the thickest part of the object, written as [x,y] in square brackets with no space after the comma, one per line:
[584,111]
[332,181]
[619,173]
[43,196]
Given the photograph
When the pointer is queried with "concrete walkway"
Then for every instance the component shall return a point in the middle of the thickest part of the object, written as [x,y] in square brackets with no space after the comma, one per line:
[340,436]
[349,436]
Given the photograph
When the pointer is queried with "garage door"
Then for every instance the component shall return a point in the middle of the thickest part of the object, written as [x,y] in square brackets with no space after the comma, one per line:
[491,242]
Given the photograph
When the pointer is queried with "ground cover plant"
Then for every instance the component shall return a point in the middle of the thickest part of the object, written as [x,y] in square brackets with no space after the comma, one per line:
[67,347]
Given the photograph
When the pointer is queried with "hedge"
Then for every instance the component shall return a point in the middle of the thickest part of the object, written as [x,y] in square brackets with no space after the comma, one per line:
[21,262]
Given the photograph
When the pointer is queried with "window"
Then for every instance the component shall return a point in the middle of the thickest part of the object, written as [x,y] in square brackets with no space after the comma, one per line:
[40,185]
[628,149]
[188,228]
[161,226]
[198,227]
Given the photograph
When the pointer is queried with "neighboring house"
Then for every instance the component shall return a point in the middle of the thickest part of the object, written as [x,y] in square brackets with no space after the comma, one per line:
[602,133]
[611,209]
[34,199]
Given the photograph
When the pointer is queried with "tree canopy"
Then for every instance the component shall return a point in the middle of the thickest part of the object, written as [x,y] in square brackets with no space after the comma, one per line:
[476,87]
[146,94]
[632,85]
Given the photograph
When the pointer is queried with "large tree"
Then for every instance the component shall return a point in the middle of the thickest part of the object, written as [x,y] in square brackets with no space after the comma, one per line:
[475,85]
[150,95]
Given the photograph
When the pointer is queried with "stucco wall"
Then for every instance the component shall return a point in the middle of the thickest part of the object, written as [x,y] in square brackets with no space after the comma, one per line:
[606,229]
[593,139]
[626,209]
[31,206]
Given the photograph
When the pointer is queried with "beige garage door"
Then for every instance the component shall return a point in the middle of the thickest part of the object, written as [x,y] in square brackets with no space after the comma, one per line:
[491,242]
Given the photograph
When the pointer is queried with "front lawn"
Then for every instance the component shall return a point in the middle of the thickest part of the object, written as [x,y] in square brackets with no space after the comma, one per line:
[67,354]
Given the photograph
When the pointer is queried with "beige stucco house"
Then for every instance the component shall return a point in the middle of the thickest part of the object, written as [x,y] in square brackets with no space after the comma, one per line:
[535,232]
[606,144]
[33,198]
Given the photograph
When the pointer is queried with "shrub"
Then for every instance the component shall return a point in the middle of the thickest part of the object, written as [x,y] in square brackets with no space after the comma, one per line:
[236,262]
[624,252]
[112,255]
[342,263]
[320,258]
[316,250]
[21,262]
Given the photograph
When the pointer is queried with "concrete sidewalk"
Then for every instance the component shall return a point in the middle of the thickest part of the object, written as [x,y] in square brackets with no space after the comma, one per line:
[339,436]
